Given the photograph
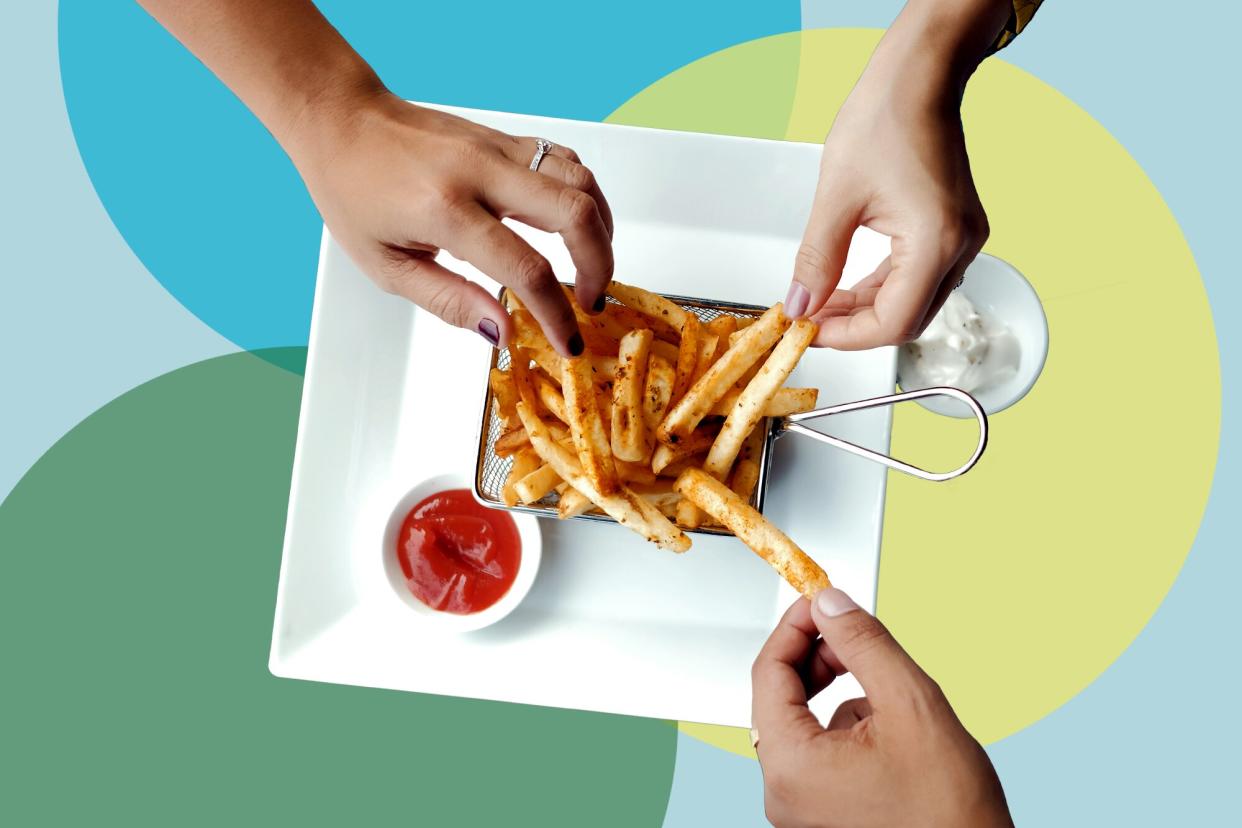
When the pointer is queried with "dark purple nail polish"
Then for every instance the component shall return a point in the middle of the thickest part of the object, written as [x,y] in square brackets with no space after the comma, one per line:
[488,330]
[598,307]
[576,346]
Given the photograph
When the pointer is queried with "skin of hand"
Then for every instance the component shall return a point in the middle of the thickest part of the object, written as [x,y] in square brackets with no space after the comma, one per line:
[895,161]
[899,756]
[397,183]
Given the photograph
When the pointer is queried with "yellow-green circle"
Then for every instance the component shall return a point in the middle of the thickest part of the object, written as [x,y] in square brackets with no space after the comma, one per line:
[1018,584]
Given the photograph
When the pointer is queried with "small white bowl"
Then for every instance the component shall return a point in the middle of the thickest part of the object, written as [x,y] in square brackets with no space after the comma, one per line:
[404,601]
[996,287]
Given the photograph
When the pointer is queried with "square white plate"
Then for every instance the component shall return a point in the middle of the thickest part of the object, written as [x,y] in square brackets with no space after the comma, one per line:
[612,624]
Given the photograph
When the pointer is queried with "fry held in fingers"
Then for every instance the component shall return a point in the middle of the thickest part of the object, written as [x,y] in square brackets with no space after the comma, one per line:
[750,527]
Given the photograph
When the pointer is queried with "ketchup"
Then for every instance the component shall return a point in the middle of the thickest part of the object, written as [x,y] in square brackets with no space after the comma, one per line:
[458,556]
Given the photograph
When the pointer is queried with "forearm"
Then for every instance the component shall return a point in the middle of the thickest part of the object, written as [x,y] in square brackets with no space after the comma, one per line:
[280,57]
[937,44]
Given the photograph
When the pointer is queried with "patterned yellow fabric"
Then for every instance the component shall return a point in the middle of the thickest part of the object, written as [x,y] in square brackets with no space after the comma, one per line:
[1023,11]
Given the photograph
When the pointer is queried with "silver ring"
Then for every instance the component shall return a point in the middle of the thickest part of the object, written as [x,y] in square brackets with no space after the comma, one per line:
[542,148]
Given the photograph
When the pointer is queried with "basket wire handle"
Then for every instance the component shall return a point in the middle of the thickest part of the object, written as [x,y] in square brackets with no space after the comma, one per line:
[793,423]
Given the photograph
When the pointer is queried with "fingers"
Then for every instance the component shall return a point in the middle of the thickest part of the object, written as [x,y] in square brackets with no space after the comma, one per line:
[779,703]
[579,177]
[820,258]
[918,265]
[890,678]
[850,713]
[550,205]
[483,241]
[455,299]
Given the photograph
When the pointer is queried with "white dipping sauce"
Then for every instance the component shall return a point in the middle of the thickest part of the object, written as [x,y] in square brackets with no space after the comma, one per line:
[963,347]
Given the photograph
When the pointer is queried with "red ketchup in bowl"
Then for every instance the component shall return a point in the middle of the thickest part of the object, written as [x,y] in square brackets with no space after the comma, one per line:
[458,556]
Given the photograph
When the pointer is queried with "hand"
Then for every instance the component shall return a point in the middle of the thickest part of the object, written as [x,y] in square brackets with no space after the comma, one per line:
[396,183]
[895,161]
[897,757]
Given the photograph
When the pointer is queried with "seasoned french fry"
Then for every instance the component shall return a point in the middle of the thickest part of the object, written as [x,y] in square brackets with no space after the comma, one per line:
[688,516]
[631,440]
[504,394]
[535,486]
[784,402]
[687,355]
[586,426]
[512,302]
[661,377]
[527,333]
[650,305]
[748,410]
[572,504]
[722,327]
[600,335]
[699,440]
[745,478]
[707,354]
[524,462]
[625,506]
[674,469]
[549,394]
[666,349]
[690,409]
[631,473]
[719,501]
[511,441]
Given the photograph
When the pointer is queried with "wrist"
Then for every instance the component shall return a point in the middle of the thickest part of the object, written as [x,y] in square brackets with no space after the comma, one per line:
[934,46]
[320,108]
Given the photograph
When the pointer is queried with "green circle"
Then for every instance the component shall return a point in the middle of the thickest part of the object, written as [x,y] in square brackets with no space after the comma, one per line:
[137,589]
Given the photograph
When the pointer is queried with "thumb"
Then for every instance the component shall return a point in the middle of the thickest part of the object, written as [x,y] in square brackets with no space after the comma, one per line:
[821,257]
[865,647]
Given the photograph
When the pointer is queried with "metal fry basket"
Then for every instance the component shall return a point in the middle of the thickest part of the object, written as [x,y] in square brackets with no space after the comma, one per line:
[491,470]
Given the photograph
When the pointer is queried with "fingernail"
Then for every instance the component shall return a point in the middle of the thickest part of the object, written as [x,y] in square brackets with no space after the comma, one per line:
[796,301]
[833,602]
[598,307]
[488,330]
[576,347]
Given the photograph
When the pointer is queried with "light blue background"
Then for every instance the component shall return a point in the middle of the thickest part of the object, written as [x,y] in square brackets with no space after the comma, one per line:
[208,203]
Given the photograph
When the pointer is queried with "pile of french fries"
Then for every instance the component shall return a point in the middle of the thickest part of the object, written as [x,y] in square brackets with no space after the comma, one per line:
[659,424]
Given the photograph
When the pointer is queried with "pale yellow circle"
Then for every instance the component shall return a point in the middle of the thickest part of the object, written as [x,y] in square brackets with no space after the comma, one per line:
[1018,584]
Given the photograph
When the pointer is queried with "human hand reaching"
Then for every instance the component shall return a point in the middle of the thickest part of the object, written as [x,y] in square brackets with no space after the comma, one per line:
[898,756]
[895,161]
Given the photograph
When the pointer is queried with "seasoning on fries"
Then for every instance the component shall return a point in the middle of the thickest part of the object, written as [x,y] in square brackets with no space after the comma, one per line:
[660,424]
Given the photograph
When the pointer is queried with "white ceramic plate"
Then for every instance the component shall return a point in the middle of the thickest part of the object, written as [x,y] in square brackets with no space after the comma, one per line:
[612,624]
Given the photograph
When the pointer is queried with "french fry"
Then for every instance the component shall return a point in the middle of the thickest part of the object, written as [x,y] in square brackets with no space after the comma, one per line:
[631,473]
[512,302]
[666,349]
[621,320]
[707,353]
[701,439]
[527,333]
[748,410]
[631,439]
[650,305]
[524,462]
[784,402]
[722,327]
[687,355]
[572,504]
[661,377]
[674,469]
[586,426]
[504,394]
[536,485]
[690,409]
[625,506]
[719,501]
[511,441]
[549,393]
[688,516]
[600,335]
